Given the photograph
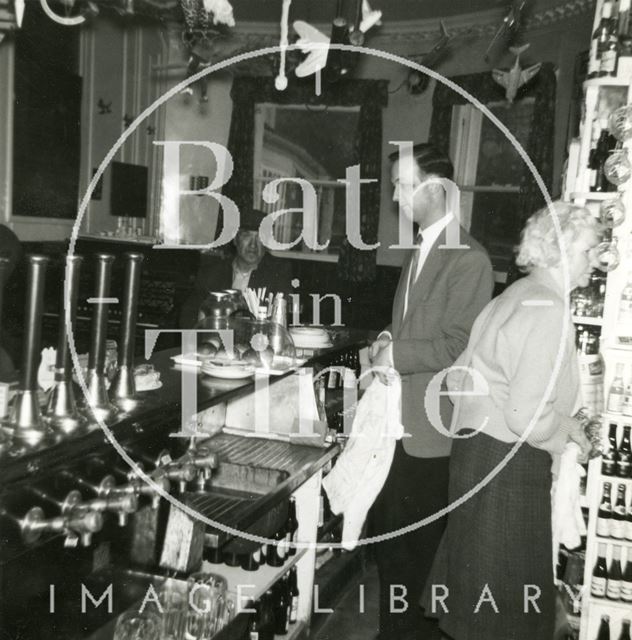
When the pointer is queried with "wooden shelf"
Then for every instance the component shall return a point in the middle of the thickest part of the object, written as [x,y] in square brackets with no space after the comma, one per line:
[607,416]
[617,604]
[614,541]
[607,81]
[593,195]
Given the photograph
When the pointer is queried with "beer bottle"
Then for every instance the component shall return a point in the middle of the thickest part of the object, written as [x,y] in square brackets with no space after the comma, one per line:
[291,527]
[604,628]
[625,629]
[626,581]
[613,584]
[611,455]
[276,552]
[604,514]
[599,574]
[281,608]
[294,593]
[617,391]
[617,523]
[624,463]
[253,625]
[627,528]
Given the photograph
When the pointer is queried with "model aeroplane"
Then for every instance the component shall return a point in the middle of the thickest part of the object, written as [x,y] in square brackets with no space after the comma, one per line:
[515,77]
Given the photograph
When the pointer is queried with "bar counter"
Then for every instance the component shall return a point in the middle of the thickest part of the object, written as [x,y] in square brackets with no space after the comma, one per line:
[112,556]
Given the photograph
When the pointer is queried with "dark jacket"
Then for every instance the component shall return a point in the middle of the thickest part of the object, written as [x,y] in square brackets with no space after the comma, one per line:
[215,274]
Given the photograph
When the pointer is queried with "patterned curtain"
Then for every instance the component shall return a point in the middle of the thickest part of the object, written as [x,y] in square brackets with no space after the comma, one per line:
[542,132]
[370,95]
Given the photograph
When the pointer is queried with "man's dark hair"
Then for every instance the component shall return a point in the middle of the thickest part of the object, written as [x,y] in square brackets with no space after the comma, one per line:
[430,160]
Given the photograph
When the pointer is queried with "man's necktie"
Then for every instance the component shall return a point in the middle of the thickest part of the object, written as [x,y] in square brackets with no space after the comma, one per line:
[412,274]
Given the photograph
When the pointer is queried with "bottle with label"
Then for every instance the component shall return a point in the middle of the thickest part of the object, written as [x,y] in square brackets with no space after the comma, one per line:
[605,144]
[627,529]
[599,40]
[599,574]
[624,18]
[626,409]
[253,625]
[624,318]
[293,592]
[604,514]
[611,455]
[617,391]
[626,581]
[624,461]
[617,521]
[277,551]
[281,608]
[610,55]
[613,584]
[291,527]
[591,371]
[625,629]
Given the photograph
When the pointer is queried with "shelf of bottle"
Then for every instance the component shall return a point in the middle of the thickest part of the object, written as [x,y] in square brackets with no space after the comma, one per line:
[617,604]
[622,350]
[621,542]
[619,418]
[597,322]
[596,196]
[262,579]
[607,81]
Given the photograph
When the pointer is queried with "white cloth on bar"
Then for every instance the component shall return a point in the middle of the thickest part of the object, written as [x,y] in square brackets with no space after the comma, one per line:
[361,469]
[566,514]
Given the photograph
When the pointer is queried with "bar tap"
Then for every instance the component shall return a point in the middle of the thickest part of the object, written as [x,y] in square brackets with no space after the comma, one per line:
[96,401]
[105,497]
[76,527]
[25,420]
[61,410]
[123,389]
[205,461]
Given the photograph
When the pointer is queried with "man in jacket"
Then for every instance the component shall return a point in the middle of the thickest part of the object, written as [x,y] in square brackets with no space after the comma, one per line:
[441,291]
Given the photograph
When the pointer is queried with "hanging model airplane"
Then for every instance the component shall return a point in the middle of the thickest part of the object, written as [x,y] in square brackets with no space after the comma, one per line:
[508,29]
[315,43]
[515,77]
[418,81]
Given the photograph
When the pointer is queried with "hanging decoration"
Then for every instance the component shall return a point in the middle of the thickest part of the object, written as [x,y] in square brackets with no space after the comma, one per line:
[280,83]
[314,43]
[417,82]
[515,77]
[508,30]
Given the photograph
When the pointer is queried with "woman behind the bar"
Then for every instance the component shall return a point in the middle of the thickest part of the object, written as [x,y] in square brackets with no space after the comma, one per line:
[497,548]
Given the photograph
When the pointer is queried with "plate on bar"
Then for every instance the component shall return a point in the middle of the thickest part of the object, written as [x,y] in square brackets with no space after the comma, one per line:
[227,369]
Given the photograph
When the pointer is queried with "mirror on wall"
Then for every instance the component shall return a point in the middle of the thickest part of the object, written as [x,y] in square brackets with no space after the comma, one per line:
[316,144]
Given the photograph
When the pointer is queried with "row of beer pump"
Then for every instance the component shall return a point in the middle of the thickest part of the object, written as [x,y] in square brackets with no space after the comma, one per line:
[80,499]
[28,426]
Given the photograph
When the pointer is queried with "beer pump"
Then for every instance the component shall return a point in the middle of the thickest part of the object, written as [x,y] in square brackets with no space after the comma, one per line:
[61,410]
[25,420]
[96,401]
[6,366]
[123,389]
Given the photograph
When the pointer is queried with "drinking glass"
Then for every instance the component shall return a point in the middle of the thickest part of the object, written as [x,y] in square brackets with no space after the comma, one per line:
[173,598]
[133,625]
[620,123]
[612,212]
[607,256]
[200,607]
[617,167]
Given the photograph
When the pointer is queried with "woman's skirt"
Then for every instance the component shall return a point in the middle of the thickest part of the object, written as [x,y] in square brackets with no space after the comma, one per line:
[493,568]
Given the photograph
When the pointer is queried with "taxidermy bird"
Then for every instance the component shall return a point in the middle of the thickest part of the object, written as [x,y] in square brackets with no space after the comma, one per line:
[417,81]
[513,79]
[309,36]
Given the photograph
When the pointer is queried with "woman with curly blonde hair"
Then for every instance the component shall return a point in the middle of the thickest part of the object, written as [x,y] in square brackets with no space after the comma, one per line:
[512,415]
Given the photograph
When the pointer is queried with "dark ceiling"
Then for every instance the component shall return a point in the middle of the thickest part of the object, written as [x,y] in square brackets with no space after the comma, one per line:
[393,10]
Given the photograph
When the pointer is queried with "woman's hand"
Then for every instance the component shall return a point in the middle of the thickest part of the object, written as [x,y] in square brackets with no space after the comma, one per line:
[578,436]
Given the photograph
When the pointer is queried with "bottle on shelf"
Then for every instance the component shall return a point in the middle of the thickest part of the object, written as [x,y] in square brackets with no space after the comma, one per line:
[604,515]
[281,607]
[624,461]
[604,628]
[599,40]
[291,527]
[253,625]
[625,629]
[626,580]
[599,574]
[624,317]
[605,144]
[627,529]
[617,521]
[626,409]
[624,19]
[616,391]
[613,583]
[276,553]
[610,55]
[294,594]
[611,455]
[266,624]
